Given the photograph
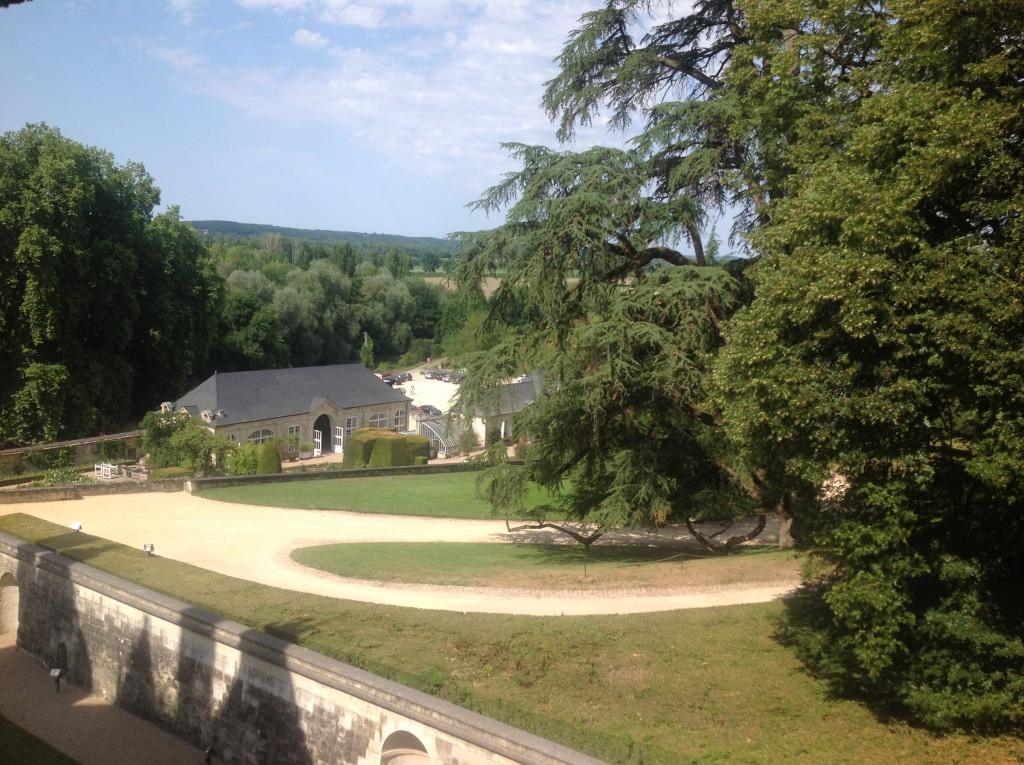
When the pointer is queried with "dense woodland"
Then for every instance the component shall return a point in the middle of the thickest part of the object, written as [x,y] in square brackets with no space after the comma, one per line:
[858,376]
[108,309]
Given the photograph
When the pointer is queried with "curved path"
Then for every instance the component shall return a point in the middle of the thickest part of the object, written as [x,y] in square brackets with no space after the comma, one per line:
[254,543]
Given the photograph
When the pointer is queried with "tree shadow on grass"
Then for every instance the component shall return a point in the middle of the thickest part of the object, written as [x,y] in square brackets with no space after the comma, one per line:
[78,545]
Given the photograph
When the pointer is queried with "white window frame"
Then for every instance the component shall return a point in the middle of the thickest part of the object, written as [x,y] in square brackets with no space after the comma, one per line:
[260,436]
[351,424]
[401,419]
[339,438]
[379,420]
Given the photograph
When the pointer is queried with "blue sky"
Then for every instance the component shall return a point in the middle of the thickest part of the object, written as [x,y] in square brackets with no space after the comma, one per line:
[380,116]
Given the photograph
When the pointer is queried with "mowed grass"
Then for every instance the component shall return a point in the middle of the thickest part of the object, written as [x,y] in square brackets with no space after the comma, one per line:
[695,686]
[546,566]
[19,747]
[449,495]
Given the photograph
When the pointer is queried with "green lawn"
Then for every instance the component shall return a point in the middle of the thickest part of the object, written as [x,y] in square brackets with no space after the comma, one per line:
[545,567]
[448,495]
[19,747]
[698,686]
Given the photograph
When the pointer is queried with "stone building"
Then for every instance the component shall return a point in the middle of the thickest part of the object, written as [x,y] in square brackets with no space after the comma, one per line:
[318,406]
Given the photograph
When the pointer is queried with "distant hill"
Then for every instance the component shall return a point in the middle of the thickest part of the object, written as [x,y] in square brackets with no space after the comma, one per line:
[230,228]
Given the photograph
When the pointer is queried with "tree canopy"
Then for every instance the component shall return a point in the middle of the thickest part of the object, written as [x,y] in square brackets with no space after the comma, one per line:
[100,298]
[863,375]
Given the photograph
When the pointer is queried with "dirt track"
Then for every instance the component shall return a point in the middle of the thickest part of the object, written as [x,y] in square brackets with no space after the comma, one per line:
[254,543]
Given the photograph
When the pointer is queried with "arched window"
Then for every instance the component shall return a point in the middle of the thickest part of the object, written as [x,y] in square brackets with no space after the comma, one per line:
[379,420]
[399,419]
[260,436]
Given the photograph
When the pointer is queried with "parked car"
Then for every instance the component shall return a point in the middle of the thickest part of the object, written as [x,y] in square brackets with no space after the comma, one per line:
[433,411]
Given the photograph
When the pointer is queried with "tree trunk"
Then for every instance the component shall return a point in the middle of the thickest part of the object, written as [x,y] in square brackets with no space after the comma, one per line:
[786,541]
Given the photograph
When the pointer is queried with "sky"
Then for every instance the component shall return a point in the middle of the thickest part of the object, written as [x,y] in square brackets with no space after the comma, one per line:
[375,116]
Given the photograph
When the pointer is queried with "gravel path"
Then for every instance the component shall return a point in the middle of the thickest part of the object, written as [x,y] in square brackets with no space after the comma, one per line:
[254,543]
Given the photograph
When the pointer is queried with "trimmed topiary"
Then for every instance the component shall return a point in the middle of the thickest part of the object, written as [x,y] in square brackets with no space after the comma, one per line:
[270,459]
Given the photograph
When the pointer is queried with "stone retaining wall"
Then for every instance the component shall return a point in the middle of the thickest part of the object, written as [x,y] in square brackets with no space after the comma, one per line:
[89,489]
[254,698]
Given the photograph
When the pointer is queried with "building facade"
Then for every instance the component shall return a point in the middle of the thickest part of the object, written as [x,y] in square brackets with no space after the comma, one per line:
[315,408]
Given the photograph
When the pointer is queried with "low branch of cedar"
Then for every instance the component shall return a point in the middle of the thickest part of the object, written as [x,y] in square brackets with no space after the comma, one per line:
[722,548]
[583,539]
[699,76]
[698,414]
[636,260]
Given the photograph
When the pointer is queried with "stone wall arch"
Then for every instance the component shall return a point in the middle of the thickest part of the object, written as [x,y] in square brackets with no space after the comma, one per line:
[403,748]
[10,597]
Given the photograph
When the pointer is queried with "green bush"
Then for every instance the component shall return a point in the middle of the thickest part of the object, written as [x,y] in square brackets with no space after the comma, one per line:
[269,459]
[420,460]
[244,460]
[359,447]
[383,448]
[61,475]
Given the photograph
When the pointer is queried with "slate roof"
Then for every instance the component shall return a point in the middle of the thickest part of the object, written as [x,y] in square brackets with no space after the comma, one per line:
[508,399]
[269,393]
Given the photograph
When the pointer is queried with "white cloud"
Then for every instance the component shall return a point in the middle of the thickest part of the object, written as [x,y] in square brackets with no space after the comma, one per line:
[179,58]
[312,40]
[433,87]
[280,6]
[188,10]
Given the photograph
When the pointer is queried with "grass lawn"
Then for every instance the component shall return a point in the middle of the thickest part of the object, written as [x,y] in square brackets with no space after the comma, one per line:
[19,747]
[545,567]
[449,495]
[697,686]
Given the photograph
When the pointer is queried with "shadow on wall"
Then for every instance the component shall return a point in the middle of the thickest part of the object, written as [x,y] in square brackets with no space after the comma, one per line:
[137,687]
[241,706]
[58,639]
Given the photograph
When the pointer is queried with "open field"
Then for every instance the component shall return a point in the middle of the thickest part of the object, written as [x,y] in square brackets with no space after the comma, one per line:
[489,283]
[672,687]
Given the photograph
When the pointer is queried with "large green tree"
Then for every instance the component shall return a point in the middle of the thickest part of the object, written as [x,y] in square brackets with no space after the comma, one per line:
[96,293]
[882,356]
[606,283]
[870,386]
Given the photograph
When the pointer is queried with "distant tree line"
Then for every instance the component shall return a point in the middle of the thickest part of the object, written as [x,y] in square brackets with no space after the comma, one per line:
[108,308]
[222,228]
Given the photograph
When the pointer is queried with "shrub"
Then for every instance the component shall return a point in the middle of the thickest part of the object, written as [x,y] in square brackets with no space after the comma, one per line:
[269,459]
[244,460]
[61,475]
[359,447]
[383,448]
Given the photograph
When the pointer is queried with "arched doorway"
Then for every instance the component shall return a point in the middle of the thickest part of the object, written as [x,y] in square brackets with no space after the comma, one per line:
[403,748]
[321,435]
[9,597]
